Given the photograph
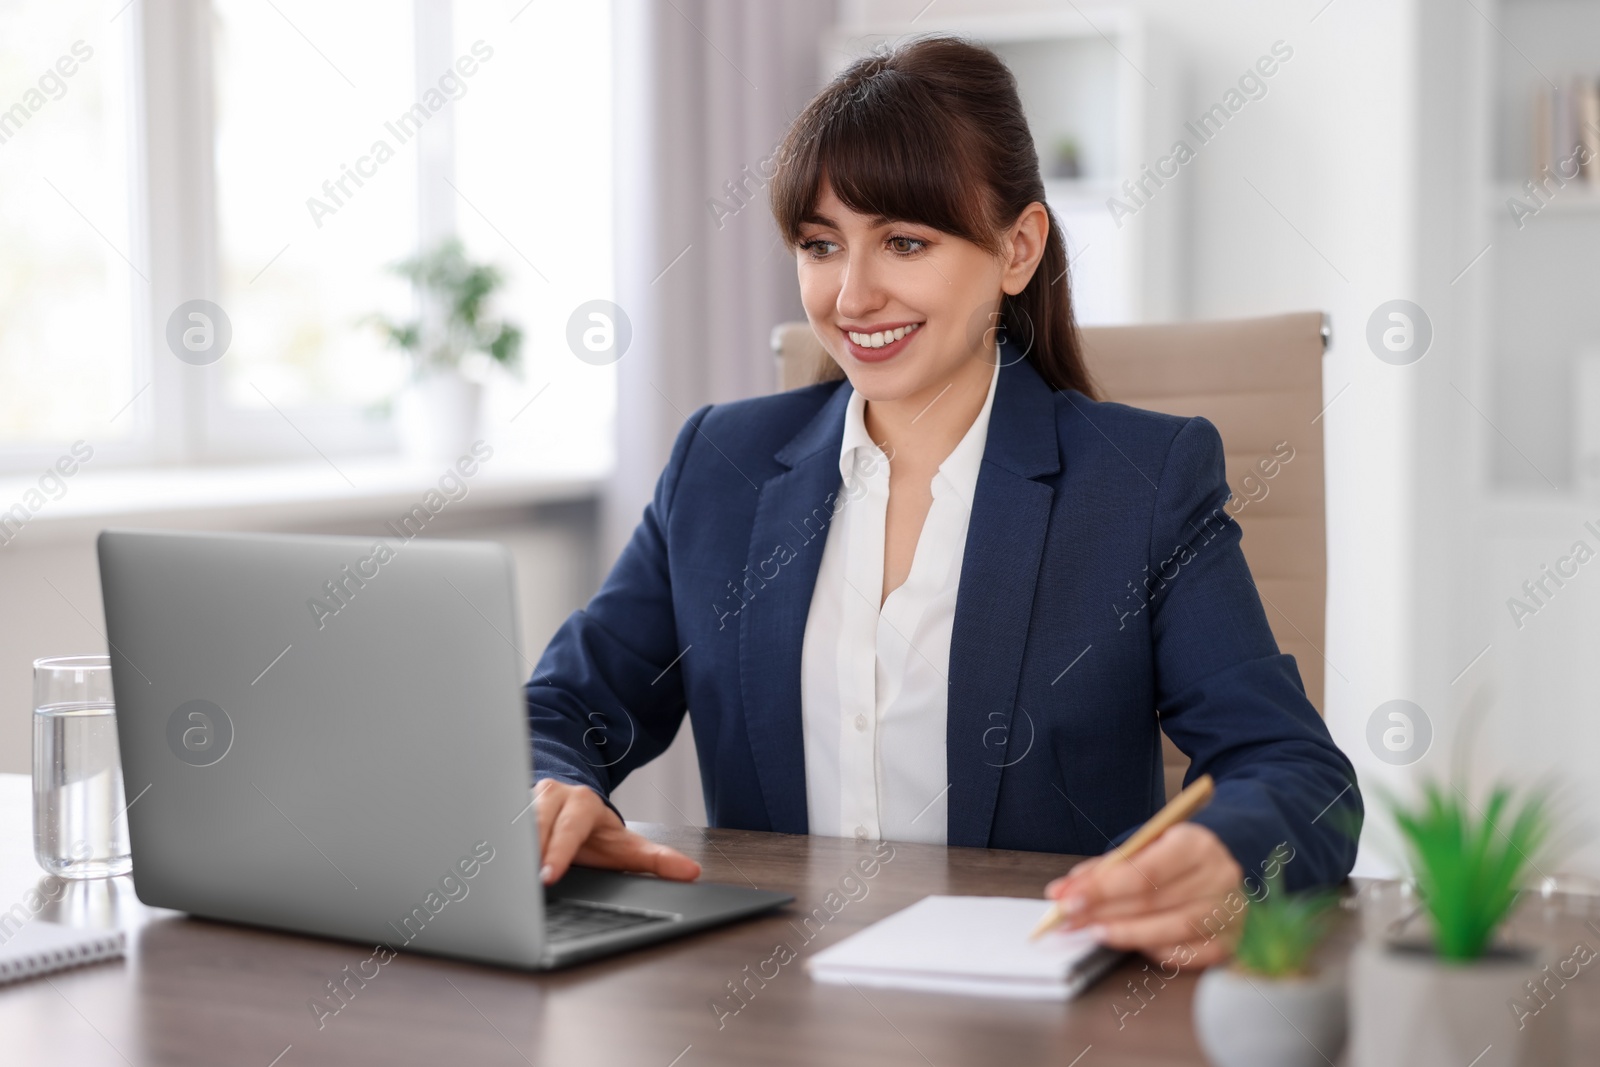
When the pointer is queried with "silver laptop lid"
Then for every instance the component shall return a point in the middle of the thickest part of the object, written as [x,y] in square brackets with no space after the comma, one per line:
[327,734]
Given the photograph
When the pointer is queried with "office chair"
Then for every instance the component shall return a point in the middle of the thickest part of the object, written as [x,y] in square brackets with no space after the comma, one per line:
[1260,382]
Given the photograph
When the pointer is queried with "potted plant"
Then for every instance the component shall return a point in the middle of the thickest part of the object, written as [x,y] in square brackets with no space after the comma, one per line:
[1449,998]
[1272,1007]
[438,411]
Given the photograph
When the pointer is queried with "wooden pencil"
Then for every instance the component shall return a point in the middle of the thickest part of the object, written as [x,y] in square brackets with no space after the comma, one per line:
[1194,797]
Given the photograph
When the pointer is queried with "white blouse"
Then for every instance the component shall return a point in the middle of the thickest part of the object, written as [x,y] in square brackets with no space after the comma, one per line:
[874,686]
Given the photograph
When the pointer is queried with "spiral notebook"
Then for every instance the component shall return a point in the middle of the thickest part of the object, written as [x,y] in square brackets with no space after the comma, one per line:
[39,948]
[973,945]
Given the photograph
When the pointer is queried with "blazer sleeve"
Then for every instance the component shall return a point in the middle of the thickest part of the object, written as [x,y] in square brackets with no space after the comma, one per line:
[607,696]
[1227,697]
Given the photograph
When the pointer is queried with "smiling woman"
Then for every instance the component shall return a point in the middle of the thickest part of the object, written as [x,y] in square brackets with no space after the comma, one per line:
[995,509]
[977,186]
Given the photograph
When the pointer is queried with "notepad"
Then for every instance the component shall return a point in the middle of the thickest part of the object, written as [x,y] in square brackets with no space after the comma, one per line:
[972,945]
[38,948]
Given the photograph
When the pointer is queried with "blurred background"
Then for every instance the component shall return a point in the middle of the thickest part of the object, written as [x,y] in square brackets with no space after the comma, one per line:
[203,204]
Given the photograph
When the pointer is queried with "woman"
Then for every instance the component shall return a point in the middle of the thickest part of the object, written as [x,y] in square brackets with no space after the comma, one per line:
[943,600]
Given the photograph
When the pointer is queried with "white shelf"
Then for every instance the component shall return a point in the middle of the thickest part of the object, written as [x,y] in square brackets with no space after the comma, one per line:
[1531,299]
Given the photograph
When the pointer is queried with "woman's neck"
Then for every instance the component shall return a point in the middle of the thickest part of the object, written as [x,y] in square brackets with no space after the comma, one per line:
[921,430]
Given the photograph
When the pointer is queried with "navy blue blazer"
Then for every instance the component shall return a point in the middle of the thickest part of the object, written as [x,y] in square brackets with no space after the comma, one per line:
[1102,580]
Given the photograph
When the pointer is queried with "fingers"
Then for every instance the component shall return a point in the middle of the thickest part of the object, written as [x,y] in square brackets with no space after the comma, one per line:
[1122,885]
[622,849]
[1176,901]
[1140,897]
[1186,862]
[1059,887]
[671,864]
[576,826]
[568,832]
[1154,929]
[547,800]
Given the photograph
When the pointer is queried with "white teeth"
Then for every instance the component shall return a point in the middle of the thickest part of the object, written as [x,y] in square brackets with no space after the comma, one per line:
[881,337]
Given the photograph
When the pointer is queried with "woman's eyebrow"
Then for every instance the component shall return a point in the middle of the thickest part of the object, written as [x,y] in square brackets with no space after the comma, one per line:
[823,220]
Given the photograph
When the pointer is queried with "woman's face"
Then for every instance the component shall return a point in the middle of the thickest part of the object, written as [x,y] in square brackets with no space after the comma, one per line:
[865,280]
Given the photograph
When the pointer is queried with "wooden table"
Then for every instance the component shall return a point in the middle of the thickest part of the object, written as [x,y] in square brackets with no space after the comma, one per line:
[194,992]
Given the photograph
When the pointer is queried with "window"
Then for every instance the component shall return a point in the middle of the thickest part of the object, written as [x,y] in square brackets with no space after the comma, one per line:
[532,195]
[304,90]
[68,284]
[326,142]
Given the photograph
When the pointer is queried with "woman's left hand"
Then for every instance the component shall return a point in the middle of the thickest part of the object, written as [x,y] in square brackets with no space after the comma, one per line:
[1177,900]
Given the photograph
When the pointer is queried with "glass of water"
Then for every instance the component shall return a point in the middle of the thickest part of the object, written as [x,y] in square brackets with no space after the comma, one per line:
[80,827]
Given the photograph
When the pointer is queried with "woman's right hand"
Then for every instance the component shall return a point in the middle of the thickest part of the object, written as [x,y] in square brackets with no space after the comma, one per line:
[576,826]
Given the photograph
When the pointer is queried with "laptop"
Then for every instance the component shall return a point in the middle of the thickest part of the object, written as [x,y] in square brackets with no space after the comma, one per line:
[328,735]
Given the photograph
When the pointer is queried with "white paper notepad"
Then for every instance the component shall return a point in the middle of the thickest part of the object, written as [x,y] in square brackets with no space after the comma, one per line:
[38,948]
[974,945]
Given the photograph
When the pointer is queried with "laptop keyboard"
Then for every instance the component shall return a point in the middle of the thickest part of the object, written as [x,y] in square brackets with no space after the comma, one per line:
[569,920]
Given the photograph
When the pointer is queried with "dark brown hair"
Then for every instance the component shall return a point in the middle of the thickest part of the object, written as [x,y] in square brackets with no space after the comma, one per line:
[932,131]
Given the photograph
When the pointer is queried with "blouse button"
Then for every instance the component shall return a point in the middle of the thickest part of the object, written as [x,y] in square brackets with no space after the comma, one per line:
[861,722]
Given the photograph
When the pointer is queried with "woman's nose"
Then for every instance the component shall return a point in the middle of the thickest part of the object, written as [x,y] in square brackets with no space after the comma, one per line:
[860,291]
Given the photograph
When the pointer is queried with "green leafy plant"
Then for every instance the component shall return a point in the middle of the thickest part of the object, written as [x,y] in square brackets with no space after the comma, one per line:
[455,292]
[1469,863]
[1282,930]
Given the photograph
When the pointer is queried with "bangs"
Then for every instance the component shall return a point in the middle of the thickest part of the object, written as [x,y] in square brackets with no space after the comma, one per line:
[889,150]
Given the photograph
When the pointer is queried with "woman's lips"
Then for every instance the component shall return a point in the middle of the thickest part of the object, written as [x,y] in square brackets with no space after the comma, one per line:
[878,355]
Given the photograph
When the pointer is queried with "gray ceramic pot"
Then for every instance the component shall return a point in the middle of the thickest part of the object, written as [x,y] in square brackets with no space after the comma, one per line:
[1408,1008]
[1247,1021]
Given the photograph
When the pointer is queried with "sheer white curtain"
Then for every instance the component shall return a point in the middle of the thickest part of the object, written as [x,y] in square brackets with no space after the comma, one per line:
[704,91]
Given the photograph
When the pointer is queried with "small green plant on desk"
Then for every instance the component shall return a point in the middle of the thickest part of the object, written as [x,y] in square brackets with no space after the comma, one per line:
[1272,1007]
[1442,1000]
[1469,864]
[1282,930]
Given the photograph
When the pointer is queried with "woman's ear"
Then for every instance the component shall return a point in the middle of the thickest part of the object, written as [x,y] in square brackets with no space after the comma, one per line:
[1024,247]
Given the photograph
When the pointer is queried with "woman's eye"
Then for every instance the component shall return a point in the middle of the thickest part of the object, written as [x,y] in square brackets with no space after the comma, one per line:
[816,248]
[906,245]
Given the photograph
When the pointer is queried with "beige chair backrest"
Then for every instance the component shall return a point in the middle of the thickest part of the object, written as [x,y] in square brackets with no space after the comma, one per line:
[1260,382]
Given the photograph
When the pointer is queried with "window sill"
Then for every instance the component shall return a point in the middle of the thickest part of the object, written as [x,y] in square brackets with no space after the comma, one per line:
[275,496]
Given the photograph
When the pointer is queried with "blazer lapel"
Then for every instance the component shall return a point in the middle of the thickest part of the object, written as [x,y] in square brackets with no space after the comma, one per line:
[999,575]
[793,513]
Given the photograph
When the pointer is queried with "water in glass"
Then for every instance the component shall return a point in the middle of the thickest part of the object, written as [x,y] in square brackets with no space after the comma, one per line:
[80,828]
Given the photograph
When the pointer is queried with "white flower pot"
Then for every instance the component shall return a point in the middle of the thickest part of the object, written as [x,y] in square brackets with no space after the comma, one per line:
[1411,1009]
[437,416]
[1244,1020]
